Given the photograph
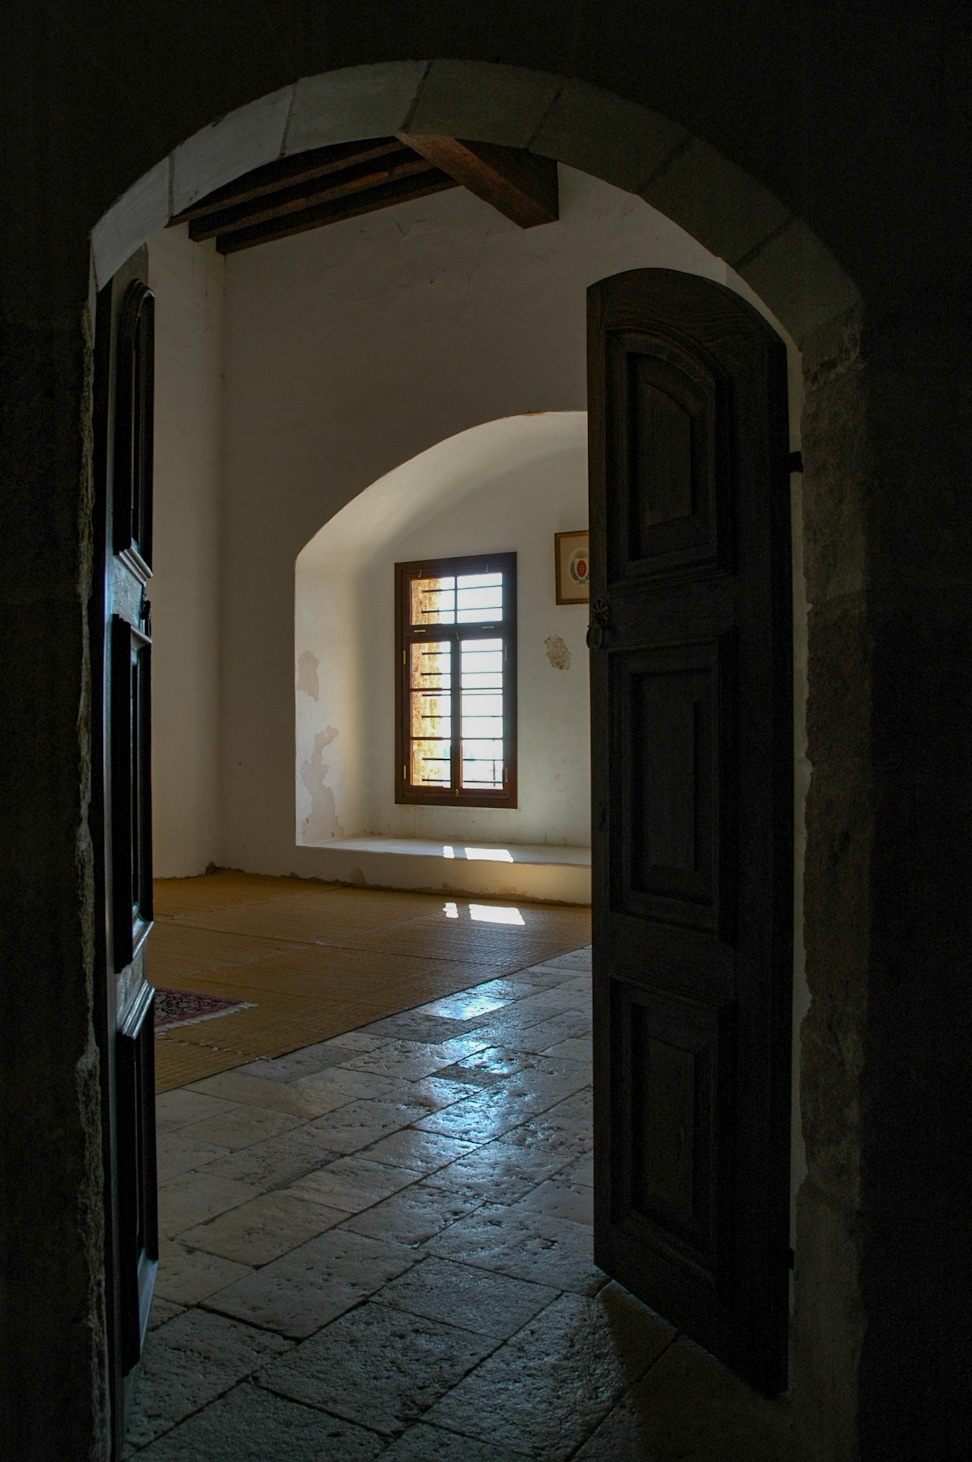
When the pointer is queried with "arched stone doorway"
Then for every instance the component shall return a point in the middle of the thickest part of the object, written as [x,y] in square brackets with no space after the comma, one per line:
[734,216]
[882,436]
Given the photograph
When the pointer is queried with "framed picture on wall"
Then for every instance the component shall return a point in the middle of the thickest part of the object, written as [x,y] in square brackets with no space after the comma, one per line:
[573,567]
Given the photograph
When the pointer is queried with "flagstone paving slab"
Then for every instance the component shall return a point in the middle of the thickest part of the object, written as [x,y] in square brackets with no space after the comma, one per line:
[433,1092]
[577,1048]
[241,1086]
[176,1153]
[313,1284]
[414,1214]
[424,1443]
[408,1059]
[188,1276]
[476,1299]
[354,1183]
[306,1061]
[556,1380]
[339,1085]
[488,1114]
[569,1025]
[250,1424]
[360,1123]
[263,1229]
[428,1023]
[525,1245]
[163,1311]
[242,1126]
[500,1167]
[189,1362]
[423,1152]
[562,1199]
[277,1161]
[177,1108]
[378,1366]
[195,1197]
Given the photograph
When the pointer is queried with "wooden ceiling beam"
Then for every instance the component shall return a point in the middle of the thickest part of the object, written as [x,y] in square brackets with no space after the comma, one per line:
[306,195]
[287,172]
[329,184]
[521,185]
[336,210]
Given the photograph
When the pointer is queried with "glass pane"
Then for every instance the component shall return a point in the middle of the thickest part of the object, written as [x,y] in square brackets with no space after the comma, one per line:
[479,598]
[430,714]
[484,771]
[433,601]
[476,725]
[430,764]
[481,714]
[481,656]
[431,666]
[483,750]
[482,703]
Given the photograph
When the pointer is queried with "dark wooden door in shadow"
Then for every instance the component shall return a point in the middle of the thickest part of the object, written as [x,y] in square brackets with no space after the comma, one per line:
[120,627]
[691,674]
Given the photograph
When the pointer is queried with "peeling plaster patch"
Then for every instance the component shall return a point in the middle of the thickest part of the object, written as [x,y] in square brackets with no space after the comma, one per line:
[307,680]
[321,823]
[557,652]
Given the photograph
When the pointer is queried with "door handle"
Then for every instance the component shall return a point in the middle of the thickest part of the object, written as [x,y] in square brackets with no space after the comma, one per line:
[600,622]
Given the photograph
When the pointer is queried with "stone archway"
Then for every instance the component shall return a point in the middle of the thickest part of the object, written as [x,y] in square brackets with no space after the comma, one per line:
[621,142]
[638,150]
[873,149]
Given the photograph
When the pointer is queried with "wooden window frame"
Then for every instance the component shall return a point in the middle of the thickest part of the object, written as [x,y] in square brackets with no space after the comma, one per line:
[406,634]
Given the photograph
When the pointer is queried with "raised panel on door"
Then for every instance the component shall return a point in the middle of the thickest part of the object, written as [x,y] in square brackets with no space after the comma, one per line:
[668,447]
[692,808]
[671,818]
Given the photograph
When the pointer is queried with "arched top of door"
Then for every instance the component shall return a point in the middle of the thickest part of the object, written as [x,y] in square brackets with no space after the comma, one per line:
[584,126]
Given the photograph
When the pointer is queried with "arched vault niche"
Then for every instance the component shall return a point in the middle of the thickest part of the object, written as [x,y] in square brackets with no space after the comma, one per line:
[505,485]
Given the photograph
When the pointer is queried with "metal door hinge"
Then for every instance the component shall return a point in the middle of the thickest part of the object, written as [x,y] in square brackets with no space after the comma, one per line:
[600,621]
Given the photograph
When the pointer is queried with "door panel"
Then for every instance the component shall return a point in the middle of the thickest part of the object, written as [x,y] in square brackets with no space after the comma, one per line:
[672,1053]
[666,701]
[667,456]
[120,630]
[692,801]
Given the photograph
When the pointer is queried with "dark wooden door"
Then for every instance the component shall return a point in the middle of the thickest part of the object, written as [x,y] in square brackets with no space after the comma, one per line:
[121,639]
[692,806]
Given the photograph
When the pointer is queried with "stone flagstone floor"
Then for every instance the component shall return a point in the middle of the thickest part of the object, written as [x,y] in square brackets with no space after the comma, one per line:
[380,1246]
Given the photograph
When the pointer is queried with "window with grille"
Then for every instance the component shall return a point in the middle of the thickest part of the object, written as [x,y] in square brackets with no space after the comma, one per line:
[456,686]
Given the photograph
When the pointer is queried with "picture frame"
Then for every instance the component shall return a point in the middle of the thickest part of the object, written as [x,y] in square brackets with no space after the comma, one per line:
[573,565]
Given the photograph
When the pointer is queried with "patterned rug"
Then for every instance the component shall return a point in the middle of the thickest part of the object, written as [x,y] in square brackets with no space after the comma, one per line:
[182,1007]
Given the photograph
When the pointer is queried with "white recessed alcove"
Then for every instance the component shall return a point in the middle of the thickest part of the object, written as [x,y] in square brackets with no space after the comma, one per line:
[503,486]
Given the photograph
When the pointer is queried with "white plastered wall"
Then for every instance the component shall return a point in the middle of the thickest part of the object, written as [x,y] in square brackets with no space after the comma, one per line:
[188,283]
[349,351]
[508,485]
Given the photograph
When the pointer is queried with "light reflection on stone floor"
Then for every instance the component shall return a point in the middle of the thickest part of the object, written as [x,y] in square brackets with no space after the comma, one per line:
[381,1246]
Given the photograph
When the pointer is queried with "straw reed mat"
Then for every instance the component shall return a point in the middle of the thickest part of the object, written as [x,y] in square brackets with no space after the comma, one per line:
[312,960]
